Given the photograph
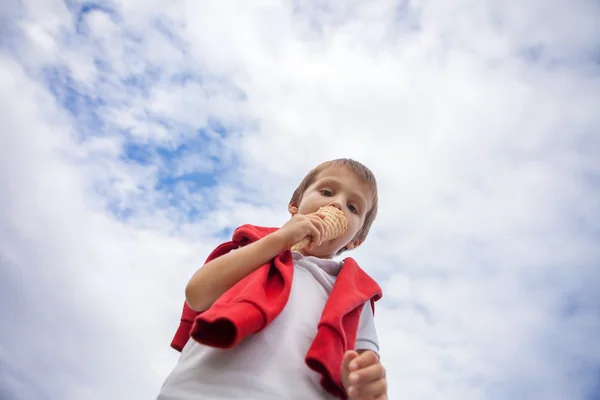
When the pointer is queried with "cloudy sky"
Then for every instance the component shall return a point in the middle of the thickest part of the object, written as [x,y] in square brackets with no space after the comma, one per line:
[135,135]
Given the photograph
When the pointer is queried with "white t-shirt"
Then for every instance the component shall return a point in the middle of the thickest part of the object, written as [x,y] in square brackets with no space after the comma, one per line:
[270,364]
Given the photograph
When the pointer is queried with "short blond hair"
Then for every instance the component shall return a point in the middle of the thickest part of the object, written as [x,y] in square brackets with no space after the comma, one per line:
[357,168]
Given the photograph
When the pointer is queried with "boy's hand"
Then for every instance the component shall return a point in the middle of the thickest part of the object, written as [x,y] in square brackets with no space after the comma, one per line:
[301,226]
[363,376]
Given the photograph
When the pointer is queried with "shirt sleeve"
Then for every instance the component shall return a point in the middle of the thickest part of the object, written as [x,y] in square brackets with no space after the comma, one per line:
[366,337]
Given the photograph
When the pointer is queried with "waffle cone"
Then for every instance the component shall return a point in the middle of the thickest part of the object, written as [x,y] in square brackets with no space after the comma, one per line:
[335,223]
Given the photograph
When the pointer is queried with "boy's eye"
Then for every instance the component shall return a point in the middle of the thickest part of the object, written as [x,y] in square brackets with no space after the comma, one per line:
[352,209]
[326,192]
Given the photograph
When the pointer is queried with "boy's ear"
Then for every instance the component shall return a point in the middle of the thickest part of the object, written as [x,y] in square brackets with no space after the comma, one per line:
[354,244]
[292,209]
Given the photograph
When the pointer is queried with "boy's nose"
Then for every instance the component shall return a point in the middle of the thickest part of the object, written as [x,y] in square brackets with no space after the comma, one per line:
[336,204]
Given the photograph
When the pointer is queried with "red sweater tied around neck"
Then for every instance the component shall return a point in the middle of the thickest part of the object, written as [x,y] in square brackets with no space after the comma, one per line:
[256,300]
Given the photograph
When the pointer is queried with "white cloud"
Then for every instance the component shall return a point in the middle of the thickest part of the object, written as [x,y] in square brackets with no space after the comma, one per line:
[480,122]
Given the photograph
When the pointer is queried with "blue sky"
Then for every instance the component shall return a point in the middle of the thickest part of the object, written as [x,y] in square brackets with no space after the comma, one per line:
[136,136]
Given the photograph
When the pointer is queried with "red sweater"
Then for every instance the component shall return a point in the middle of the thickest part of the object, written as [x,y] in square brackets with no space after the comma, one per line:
[251,304]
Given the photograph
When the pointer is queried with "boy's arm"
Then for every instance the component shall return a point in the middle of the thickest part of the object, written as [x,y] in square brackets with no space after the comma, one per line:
[371,381]
[219,275]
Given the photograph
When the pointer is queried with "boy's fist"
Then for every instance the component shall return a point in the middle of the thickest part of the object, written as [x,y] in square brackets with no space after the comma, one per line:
[301,226]
[363,376]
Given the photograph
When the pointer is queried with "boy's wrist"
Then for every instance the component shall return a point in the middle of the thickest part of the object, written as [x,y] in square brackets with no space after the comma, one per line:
[277,242]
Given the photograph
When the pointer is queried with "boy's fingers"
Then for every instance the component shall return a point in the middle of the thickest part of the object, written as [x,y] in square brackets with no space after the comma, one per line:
[344,368]
[367,375]
[318,222]
[319,215]
[364,360]
[318,226]
[348,357]
[315,236]
[376,389]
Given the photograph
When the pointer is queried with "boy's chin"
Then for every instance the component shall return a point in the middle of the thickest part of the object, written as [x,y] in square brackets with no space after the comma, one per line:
[322,251]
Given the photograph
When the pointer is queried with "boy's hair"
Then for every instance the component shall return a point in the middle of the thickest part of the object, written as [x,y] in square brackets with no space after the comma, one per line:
[361,171]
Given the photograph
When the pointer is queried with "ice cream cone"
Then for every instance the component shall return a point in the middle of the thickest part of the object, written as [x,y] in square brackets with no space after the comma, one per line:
[335,223]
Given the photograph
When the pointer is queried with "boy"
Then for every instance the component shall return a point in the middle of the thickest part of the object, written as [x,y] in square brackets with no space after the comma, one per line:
[268,323]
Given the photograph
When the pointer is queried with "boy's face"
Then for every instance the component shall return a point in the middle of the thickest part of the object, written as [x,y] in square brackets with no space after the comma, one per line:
[340,187]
